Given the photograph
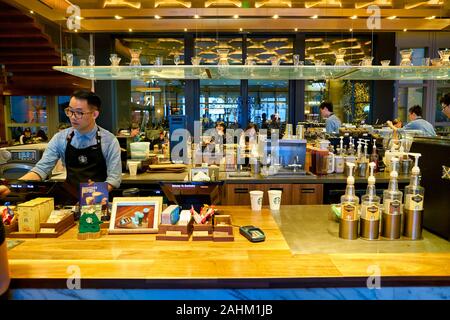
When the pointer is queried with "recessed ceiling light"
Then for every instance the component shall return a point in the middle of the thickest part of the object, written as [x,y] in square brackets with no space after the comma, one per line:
[196,16]
[404,30]
[117,17]
[314,16]
[240,29]
[157,17]
[76,30]
[185,29]
[296,29]
[79,18]
[430,18]
[391,17]
[354,17]
[130,30]
[275,16]
[351,30]
[236,16]
[31,11]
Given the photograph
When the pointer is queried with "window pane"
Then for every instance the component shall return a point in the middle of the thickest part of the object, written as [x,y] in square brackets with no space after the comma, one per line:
[63,102]
[408,97]
[440,117]
[270,98]
[153,101]
[315,93]
[28,109]
[207,48]
[262,50]
[220,101]
[38,134]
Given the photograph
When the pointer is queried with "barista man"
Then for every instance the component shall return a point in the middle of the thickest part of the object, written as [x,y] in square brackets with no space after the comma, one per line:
[332,123]
[445,104]
[88,151]
[416,123]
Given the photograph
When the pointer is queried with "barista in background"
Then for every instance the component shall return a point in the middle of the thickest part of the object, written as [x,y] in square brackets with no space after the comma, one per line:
[264,123]
[248,142]
[41,136]
[26,137]
[445,104]
[332,123]
[416,123]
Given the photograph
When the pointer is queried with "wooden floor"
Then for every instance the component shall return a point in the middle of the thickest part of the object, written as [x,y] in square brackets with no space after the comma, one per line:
[141,261]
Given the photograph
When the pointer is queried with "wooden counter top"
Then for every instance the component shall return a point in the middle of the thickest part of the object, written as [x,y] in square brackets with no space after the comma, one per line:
[139,261]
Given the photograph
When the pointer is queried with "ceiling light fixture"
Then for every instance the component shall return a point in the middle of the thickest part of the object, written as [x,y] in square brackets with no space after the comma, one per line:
[236,16]
[351,30]
[354,17]
[196,16]
[171,3]
[185,29]
[117,17]
[121,3]
[404,30]
[314,16]
[130,30]
[31,11]
[323,3]
[430,18]
[275,16]
[273,3]
[236,3]
[379,3]
[296,29]
[392,17]
[240,29]
[424,3]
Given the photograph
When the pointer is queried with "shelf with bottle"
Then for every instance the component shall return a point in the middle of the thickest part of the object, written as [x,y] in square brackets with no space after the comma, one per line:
[263,72]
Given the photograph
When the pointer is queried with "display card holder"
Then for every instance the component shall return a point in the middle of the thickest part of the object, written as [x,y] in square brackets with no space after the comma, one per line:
[175,232]
[223,228]
[203,232]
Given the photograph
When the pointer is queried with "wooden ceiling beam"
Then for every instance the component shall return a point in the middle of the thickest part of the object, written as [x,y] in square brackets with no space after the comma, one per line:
[256,12]
[167,25]
[25,53]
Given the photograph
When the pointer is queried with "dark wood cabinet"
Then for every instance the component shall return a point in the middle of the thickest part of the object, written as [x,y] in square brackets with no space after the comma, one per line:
[238,194]
[307,193]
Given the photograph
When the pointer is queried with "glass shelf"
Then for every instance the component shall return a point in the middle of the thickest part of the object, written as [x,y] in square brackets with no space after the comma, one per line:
[258,72]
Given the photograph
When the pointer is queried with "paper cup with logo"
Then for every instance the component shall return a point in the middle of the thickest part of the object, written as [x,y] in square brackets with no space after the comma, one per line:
[256,198]
[133,166]
[274,199]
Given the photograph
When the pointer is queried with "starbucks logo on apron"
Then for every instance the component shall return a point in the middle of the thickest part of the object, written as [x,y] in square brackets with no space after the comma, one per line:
[82,159]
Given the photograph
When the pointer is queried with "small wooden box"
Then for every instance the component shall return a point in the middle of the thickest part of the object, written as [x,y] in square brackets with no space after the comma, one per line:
[175,232]
[223,229]
[28,218]
[203,232]
[59,228]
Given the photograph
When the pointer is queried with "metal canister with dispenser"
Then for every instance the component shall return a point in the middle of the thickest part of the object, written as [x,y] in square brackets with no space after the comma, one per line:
[413,208]
[348,224]
[392,206]
[370,209]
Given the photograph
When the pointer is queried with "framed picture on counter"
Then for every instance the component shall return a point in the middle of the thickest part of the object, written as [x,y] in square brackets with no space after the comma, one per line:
[135,215]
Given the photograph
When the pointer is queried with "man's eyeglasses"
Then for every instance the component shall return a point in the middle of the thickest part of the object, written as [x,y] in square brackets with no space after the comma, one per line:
[77,114]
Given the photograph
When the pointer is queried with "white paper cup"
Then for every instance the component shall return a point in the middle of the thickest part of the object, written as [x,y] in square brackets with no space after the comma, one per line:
[274,199]
[132,166]
[256,199]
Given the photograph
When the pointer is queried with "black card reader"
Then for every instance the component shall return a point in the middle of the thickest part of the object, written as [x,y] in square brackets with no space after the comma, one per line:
[252,233]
